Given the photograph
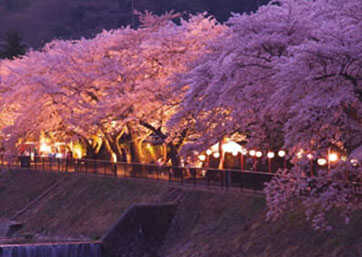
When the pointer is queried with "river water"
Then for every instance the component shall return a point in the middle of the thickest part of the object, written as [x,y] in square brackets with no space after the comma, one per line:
[52,250]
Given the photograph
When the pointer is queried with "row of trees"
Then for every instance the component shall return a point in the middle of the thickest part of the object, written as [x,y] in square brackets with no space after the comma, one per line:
[109,90]
[287,76]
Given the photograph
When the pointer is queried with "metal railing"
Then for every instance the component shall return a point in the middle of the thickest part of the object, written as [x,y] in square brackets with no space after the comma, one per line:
[210,177]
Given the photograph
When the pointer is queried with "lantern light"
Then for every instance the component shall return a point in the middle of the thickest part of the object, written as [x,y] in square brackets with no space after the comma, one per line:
[300,154]
[271,155]
[234,153]
[252,152]
[231,147]
[281,153]
[244,151]
[208,152]
[258,154]
[202,157]
[216,155]
[321,161]
[333,157]
[354,162]
[45,148]
[310,156]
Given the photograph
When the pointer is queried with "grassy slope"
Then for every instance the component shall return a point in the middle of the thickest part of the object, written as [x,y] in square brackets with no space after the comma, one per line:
[16,191]
[207,223]
[226,225]
[85,207]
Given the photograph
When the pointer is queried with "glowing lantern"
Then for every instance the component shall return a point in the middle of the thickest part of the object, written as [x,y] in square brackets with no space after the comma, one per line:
[310,156]
[202,157]
[321,161]
[258,154]
[228,147]
[332,157]
[354,162]
[244,151]
[44,148]
[235,153]
[300,154]
[216,155]
[252,152]
[281,153]
[231,147]
[270,155]
[208,152]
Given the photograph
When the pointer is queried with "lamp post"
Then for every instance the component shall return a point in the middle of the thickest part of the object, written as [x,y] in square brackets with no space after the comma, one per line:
[310,157]
[270,156]
[258,154]
[252,154]
[282,154]
[242,163]
[208,153]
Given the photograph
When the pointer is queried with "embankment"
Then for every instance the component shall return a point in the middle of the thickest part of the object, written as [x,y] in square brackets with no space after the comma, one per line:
[207,223]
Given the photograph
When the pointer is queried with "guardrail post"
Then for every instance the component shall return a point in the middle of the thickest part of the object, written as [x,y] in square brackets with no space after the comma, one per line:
[115,169]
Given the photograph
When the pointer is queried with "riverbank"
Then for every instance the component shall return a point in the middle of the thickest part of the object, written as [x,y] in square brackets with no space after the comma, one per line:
[207,223]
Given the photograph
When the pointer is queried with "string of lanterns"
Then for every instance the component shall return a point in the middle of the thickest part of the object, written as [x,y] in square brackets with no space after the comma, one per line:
[235,149]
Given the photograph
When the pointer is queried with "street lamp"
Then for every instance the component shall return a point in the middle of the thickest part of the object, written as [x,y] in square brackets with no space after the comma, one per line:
[282,154]
[310,157]
[242,163]
[270,156]
[258,154]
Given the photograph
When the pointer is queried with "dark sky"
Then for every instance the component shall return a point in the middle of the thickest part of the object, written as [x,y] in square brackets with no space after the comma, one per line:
[39,21]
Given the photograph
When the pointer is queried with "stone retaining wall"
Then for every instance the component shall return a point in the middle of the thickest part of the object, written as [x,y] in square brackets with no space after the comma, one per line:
[139,232]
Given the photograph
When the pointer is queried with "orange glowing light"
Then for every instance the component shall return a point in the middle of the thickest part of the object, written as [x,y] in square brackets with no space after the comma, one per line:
[333,157]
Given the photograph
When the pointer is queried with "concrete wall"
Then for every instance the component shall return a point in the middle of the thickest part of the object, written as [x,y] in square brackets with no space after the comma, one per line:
[139,232]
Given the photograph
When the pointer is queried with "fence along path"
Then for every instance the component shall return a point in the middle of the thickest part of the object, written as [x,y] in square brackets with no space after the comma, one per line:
[225,178]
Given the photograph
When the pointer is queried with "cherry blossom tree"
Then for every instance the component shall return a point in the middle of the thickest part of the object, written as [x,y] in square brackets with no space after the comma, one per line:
[287,76]
[112,86]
